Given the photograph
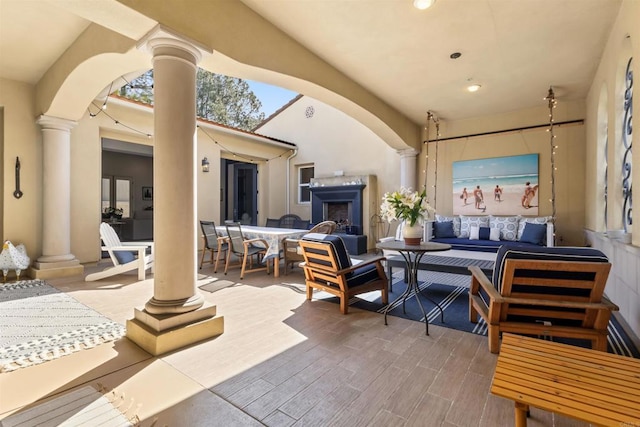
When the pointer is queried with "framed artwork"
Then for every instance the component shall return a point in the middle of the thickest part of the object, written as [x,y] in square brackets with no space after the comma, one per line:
[496,186]
[147,193]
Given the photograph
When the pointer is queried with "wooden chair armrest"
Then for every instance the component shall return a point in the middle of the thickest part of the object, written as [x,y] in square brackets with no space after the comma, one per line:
[360,264]
[611,305]
[344,270]
[249,242]
[486,284]
[566,304]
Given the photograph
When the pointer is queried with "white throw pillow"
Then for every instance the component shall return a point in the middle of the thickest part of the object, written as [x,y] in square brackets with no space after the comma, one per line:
[467,221]
[474,232]
[494,234]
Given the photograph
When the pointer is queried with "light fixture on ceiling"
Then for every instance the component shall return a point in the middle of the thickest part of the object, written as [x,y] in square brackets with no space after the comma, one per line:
[205,165]
[473,87]
[423,4]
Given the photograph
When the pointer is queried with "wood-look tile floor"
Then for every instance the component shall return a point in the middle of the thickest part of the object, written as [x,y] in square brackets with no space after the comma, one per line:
[282,361]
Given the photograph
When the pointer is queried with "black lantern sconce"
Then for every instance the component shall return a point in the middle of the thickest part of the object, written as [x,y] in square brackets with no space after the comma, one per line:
[205,165]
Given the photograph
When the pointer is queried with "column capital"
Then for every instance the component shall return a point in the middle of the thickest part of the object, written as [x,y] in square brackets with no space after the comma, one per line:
[409,152]
[161,37]
[56,123]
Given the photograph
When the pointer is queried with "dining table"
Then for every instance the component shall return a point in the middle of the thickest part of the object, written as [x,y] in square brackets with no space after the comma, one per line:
[274,236]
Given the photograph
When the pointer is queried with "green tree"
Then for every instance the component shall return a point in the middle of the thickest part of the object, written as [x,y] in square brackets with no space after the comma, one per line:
[140,89]
[219,98]
[227,100]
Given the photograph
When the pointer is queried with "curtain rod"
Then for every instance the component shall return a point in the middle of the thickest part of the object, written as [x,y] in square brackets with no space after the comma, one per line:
[495,132]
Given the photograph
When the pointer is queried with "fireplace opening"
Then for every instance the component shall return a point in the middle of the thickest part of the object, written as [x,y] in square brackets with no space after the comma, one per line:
[340,213]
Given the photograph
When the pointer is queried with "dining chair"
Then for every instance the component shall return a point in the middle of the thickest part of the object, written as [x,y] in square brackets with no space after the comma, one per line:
[301,224]
[246,249]
[213,243]
[286,221]
[272,222]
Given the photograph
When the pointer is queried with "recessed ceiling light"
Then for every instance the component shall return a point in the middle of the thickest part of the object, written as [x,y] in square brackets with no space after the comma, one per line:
[423,4]
[455,55]
[473,88]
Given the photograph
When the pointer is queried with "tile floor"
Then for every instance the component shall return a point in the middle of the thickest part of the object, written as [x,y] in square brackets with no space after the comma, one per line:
[282,361]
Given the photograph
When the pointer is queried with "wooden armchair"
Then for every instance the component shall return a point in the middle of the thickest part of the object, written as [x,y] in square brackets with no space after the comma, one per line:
[549,292]
[291,247]
[328,267]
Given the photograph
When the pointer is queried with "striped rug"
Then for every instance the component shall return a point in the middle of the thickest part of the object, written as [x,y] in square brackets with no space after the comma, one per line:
[454,299]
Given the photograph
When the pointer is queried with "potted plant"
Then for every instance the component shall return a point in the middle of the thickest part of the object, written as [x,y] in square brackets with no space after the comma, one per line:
[112,213]
[408,206]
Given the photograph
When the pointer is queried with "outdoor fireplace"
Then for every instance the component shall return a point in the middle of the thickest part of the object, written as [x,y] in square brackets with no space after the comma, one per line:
[341,204]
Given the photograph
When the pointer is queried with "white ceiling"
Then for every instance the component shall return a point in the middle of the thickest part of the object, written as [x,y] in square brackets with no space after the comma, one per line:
[515,49]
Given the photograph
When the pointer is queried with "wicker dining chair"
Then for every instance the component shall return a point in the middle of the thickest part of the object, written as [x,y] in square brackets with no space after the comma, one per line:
[286,221]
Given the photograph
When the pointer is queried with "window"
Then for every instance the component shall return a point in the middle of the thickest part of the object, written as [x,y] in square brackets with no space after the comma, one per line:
[116,193]
[305,173]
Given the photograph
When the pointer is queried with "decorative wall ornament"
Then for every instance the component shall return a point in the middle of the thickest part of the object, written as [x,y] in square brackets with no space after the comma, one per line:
[627,133]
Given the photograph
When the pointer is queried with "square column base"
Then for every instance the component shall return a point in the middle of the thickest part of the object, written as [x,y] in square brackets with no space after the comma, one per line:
[42,271]
[159,334]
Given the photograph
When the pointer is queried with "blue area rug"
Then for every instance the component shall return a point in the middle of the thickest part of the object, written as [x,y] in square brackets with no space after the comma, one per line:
[455,302]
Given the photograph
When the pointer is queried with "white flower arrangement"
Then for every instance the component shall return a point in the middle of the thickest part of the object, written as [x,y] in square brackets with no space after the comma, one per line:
[406,205]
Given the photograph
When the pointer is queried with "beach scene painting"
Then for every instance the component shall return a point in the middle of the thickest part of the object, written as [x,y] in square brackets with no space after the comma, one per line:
[496,186]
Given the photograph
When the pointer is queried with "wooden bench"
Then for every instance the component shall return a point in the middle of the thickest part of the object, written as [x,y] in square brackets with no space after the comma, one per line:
[584,384]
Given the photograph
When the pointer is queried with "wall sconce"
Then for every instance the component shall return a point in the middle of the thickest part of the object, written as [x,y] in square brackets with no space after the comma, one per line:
[205,165]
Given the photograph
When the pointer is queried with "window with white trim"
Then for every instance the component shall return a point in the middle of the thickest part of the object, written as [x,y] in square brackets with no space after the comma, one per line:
[305,173]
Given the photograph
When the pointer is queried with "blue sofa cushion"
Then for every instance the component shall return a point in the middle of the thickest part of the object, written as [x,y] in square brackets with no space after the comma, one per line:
[336,242]
[534,233]
[443,229]
[484,233]
[124,257]
[557,253]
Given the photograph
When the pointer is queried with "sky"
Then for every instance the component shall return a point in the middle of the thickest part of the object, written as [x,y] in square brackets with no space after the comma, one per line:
[271,97]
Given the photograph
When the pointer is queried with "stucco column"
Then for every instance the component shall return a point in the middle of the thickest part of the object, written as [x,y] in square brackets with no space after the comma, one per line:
[174,176]
[56,199]
[408,168]
[176,315]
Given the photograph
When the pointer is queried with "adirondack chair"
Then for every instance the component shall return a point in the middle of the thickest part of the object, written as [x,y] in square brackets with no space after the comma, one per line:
[126,256]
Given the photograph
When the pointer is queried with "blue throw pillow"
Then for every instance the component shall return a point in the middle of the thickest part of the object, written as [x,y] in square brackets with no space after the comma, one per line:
[534,233]
[484,233]
[124,257]
[443,229]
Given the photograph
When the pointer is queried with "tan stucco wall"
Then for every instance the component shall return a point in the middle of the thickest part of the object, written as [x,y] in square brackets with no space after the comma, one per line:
[570,155]
[86,171]
[22,218]
[623,286]
[332,141]
[624,41]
